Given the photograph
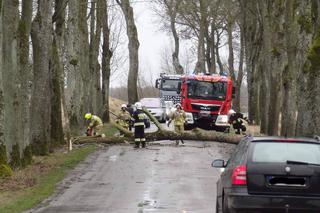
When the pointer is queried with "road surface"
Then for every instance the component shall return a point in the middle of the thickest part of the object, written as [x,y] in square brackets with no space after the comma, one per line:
[161,178]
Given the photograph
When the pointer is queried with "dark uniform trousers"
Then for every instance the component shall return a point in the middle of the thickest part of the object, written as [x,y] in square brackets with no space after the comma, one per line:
[139,128]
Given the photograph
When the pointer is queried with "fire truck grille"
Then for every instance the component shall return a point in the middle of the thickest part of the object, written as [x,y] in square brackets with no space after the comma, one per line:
[212,108]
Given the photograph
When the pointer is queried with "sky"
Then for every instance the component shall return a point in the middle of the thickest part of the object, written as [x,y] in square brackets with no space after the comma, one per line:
[153,42]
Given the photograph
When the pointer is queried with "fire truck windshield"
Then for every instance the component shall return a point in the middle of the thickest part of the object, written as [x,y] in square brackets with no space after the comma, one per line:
[207,90]
[170,84]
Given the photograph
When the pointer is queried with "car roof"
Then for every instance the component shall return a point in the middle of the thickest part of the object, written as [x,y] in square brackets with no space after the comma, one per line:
[284,139]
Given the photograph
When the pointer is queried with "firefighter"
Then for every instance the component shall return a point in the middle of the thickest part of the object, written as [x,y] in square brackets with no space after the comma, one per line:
[123,118]
[179,117]
[95,125]
[237,120]
[130,109]
[138,118]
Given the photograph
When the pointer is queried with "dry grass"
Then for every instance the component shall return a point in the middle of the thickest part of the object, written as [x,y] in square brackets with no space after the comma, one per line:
[34,183]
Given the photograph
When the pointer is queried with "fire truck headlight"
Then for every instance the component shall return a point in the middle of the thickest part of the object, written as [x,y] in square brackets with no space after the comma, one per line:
[189,118]
[222,120]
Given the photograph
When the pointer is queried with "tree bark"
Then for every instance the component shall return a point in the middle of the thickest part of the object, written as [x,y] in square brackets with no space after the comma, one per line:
[201,65]
[2,139]
[221,69]
[25,72]
[74,78]
[106,60]
[237,101]
[58,129]
[10,74]
[95,35]
[230,46]
[133,47]
[172,8]
[163,134]
[41,32]
[289,101]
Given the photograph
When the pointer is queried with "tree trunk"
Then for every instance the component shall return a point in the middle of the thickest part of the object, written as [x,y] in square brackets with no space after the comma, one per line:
[74,78]
[175,55]
[86,96]
[56,69]
[252,31]
[3,151]
[10,77]
[41,94]
[201,65]
[221,69]
[230,46]
[238,85]
[25,72]
[213,67]
[59,20]
[133,47]
[311,70]
[106,60]
[95,35]
[288,113]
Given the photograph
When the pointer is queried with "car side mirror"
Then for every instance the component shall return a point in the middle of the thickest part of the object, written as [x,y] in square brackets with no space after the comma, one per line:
[158,83]
[218,163]
[233,92]
[179,88]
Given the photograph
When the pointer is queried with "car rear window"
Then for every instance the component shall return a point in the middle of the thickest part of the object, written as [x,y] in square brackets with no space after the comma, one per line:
[276,152]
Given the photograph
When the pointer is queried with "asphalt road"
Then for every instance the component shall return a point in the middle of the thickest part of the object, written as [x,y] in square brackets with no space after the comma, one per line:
[161,178]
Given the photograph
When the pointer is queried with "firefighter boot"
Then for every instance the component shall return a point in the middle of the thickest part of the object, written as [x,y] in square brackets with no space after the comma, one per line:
[137,144]
[143,144]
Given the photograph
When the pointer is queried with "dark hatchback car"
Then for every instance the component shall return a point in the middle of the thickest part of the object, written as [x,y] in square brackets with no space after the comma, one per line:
[269,174]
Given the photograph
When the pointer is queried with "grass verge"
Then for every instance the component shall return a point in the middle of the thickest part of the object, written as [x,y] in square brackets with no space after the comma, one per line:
[33,184]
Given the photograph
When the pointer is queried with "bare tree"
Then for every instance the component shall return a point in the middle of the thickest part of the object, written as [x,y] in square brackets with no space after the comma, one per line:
[106,61]
[133,47]
[41,32]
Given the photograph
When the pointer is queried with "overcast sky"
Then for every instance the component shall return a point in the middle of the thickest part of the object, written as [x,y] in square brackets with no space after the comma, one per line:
[153,42]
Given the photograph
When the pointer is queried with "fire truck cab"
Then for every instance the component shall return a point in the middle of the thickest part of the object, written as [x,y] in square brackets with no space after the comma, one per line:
[206,99]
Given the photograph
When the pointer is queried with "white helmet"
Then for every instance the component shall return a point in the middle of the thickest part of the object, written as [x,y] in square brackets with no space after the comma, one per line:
[123,106]
[231,112]
[138,105]
[178,105]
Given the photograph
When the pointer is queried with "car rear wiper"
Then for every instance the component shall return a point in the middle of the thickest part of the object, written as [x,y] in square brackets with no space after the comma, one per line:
[301,163]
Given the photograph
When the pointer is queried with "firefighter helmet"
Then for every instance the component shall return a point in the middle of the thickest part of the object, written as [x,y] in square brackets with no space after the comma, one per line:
[138,105]
[88,116]
[178,105]
[231,112]
[123,106]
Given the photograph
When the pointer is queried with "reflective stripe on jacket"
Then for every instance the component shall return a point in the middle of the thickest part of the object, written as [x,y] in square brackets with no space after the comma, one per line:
[138,117]
[124,118]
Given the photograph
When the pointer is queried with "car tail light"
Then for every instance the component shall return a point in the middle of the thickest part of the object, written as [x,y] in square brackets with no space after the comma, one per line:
[239,175]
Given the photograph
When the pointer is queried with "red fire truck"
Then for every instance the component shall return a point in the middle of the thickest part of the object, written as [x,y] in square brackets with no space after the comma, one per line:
[206,99]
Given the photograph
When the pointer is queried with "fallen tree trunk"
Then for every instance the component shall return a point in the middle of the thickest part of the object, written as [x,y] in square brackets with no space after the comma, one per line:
[162,134]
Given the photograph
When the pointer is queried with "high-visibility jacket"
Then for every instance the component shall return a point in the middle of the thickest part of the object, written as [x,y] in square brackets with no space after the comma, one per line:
[95,121]
[138,117]
[179,117]
[124,118]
